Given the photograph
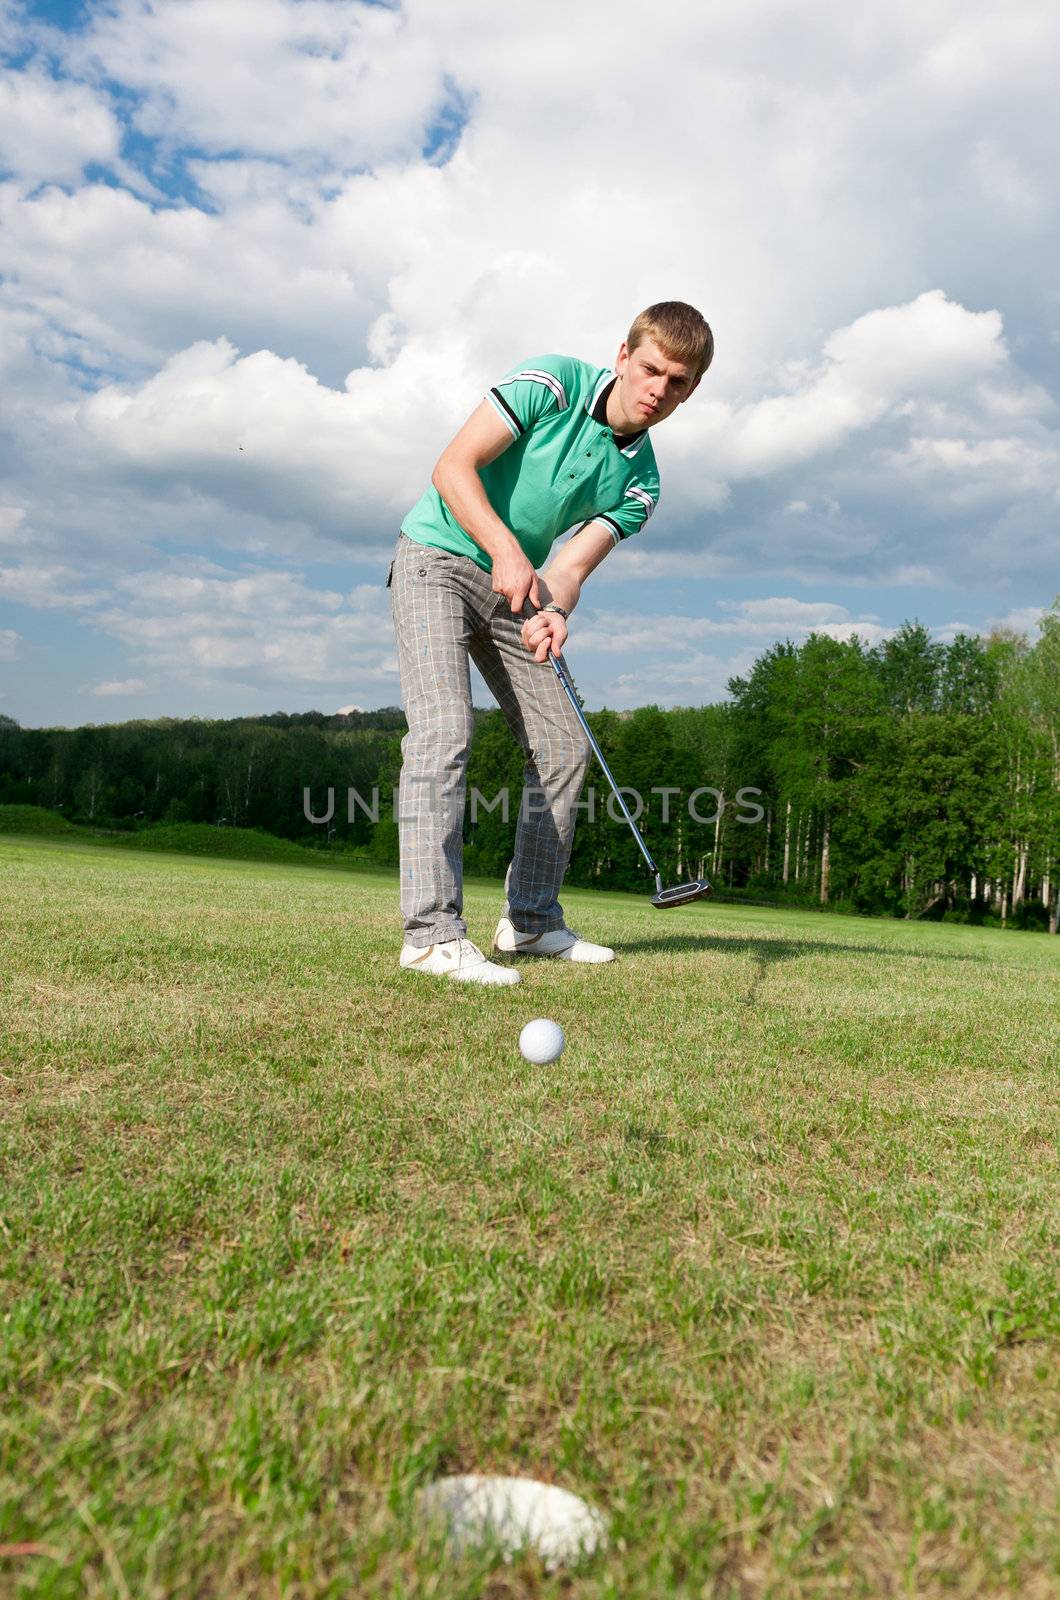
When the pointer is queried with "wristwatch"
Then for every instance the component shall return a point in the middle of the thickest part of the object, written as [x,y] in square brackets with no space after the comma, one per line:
[552,606]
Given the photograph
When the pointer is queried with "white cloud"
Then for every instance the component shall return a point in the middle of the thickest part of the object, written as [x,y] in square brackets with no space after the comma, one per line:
[687,660]
[1024,619]
[914,576]
[9,642]
[12,526]
[1002,466]
[116,687]
[288,634]
[50,588]
[691,678]
[262,432]
[610,633]
[272,77]
[131,283]
[785,612]
[983,50]
[885,359]
[52,130]
[810,132]
[1008,188]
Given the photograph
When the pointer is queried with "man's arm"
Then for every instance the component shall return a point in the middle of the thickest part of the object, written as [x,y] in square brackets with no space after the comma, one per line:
[562,582]
[481,440]
[573,562]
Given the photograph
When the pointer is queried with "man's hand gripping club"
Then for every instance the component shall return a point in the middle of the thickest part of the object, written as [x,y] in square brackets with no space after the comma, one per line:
[543,633]
[516,580]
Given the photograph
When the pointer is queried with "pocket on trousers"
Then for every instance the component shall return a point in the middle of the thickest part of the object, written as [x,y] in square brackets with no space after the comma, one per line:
[390,576]
[427,559]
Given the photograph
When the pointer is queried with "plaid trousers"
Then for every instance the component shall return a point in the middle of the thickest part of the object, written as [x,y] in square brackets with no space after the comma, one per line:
[445,613]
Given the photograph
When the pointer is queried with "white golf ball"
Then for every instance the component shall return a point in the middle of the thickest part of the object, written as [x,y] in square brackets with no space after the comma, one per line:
[541,1041]
[514,1513]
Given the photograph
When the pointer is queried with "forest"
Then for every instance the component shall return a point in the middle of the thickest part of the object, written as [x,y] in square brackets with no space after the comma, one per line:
[910,779]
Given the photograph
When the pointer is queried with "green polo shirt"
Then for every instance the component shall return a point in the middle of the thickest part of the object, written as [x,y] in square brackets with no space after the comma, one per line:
[564,467]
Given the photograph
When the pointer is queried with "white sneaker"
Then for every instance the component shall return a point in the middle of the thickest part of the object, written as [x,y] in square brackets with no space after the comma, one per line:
[562,943]
[456,958]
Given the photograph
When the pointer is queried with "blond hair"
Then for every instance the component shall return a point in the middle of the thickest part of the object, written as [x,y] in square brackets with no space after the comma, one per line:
[679,330]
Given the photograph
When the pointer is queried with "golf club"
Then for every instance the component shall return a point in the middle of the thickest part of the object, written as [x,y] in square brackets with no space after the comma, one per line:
[679,894]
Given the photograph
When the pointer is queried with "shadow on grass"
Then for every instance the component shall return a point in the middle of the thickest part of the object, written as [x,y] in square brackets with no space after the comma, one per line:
[769,953]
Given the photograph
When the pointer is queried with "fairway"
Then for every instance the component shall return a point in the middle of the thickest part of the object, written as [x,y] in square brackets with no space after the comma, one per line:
[765,1267]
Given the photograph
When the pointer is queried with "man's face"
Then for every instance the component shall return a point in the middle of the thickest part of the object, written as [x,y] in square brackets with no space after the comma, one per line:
[650,385]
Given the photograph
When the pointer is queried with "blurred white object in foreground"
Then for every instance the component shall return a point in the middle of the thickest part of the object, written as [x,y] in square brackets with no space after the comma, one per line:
[516,1514]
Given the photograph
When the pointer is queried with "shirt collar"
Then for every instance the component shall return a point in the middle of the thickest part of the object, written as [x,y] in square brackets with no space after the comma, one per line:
[628,443]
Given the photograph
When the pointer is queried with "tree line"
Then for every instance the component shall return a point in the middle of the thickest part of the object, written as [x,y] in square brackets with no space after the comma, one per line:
[914,778]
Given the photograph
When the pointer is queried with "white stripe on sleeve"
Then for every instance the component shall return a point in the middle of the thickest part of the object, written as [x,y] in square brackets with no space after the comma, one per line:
[645,499]
[549,379]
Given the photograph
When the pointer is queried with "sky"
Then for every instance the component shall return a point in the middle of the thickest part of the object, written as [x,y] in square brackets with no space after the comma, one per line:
[260,258]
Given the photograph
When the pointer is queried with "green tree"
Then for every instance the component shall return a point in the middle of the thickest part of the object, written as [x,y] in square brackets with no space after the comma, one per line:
[829,710]
[930,809]
[1043,702]
[969,677]
[909,670]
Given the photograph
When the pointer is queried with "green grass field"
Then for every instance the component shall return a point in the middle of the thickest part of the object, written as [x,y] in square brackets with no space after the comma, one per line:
[766,1267]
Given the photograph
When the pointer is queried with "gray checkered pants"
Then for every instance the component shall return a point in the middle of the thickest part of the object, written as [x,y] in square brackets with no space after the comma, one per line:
[445,612]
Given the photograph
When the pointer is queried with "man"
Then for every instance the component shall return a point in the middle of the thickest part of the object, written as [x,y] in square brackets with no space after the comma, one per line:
[557,443]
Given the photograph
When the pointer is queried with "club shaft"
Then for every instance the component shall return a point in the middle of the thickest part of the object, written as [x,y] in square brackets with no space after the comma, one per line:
[559,667]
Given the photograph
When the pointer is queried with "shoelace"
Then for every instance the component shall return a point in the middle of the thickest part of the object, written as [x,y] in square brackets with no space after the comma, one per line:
[470,951]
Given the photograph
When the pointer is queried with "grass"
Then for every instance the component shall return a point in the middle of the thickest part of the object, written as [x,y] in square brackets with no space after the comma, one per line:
[201,838]
[181,838]
[35,820]
[765,1267]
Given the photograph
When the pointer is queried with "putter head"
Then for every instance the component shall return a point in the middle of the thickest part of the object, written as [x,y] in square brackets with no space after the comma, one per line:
[682,894]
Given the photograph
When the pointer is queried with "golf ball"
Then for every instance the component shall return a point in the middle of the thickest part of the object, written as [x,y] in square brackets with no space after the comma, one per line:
[541,1041]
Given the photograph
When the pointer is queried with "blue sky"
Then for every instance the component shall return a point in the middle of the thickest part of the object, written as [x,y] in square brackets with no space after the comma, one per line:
[259,258]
